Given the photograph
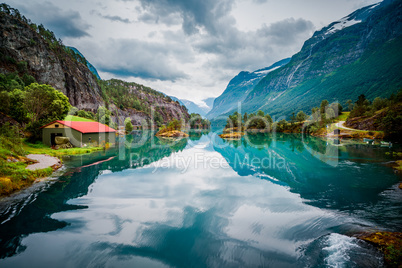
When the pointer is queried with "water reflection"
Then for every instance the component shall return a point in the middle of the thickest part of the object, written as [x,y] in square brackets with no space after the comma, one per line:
[82,172]
[347,178]
[259,201]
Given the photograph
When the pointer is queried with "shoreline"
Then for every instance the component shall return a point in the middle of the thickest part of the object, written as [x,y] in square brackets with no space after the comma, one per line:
[43,161]
[41,168]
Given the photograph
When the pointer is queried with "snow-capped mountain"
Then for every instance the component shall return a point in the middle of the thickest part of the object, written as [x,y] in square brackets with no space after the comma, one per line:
[239,87]
[358,54]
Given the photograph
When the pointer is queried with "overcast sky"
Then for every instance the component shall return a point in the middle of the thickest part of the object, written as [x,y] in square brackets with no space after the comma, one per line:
[185,48]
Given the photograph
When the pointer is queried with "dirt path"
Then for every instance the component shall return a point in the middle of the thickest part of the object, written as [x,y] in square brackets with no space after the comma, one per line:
[44,161]
[340,125]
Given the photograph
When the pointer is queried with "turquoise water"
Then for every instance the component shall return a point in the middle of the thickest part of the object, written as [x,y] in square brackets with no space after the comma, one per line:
[265,201]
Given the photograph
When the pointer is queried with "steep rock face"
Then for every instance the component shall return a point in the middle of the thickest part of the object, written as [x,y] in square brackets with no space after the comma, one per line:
[335,55]
[239,87]
[51,66]
[54,64]
[359,54]
[142,104]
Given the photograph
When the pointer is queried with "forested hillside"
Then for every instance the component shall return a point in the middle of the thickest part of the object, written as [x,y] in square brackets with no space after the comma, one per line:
[29,53]
[359,54]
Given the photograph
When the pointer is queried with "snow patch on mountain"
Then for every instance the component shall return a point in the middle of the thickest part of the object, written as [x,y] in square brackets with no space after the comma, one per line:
[342,24]
[375,5]
[264,72]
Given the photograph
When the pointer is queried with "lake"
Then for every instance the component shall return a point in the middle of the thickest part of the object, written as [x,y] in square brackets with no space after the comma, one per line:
[268,200]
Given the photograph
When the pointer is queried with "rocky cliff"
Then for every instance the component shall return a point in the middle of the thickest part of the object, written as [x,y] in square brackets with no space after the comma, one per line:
[19,42]
[26,48]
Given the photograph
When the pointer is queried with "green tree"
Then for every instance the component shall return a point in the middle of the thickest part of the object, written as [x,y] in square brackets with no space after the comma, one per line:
[245,117]
[175,125]
[315,114]
[234,120]
[349,104]
[128,125]
[17,108]
[330,114]
[103,115]
[73,110]
[392,124]
[361,100]
[260,113]
[281,125]
[158,119]
[379,103]
[301,116]
[45,104]
[323,106]
[293,118]
[269,119]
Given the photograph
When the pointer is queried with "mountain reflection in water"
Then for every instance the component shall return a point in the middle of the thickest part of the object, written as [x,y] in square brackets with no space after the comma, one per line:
[265,200]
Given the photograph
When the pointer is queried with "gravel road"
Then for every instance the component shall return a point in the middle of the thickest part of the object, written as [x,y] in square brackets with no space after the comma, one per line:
[44,161]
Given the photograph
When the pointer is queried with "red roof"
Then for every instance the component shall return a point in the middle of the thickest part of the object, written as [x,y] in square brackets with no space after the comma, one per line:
[85,127]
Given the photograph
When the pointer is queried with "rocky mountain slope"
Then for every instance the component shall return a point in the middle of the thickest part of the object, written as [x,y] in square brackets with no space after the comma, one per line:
[28,49]
[89,65]
[238,88]
[359,54]
[45,60]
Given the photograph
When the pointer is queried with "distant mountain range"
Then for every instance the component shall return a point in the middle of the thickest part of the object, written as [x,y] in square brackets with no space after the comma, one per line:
[359,54]
[192,107]
[239,87]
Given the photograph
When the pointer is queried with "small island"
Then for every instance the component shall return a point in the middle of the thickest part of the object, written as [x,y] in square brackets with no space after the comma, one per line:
[178,128]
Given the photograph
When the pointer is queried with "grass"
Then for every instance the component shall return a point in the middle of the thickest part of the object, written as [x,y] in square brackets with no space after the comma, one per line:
[342,117]
[77,118]
[13,173]
[40,148]
[398,165]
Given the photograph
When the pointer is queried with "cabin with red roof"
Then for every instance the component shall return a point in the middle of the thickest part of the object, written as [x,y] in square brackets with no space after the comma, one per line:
[81,133]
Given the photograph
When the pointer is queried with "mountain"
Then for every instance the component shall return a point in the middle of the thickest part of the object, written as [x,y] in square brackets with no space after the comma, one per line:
[359,54]
[209,102]
[27,48]
[32,53]
[238,88]
[195,108]
[89,65]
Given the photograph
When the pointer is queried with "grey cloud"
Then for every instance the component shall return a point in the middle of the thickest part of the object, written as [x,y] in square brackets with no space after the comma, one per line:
[260,1]
[286,31]
[148,18]
[238,50]
[116,18]
[63,23]
[111,18]
[195,14]
[167,19]
[130,57]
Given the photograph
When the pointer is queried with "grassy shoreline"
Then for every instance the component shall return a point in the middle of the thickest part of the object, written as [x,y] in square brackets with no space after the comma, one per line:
[13,173]
[40,148]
